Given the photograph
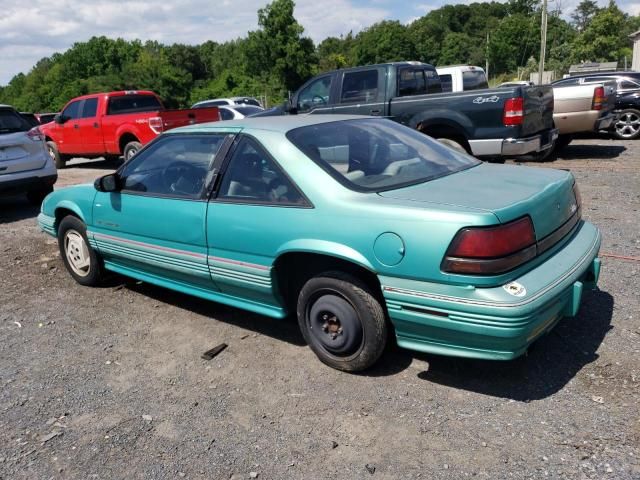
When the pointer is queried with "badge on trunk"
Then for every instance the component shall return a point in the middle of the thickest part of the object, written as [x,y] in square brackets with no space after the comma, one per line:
[515,289]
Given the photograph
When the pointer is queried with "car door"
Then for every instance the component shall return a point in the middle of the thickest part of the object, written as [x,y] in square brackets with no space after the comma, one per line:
[254,200]
[362,92]
[315,97]
[68,138]
[155,224]
[89,128]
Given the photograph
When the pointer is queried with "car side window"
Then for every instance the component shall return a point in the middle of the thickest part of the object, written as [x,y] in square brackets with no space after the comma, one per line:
[316,94]
[90,108]
[434,84]
[447,82]
[226,114]
[175,165]
[73,110]
[252,176]
[567,82]
[627,84]
[411,82]
[359,87]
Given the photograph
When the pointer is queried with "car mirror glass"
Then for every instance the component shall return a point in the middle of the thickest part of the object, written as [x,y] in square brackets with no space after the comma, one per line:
[108,183]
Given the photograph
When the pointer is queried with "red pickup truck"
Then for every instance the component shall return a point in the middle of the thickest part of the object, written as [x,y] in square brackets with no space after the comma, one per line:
[114,124]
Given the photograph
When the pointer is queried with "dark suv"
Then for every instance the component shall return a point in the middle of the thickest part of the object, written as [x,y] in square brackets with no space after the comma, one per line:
[627,125]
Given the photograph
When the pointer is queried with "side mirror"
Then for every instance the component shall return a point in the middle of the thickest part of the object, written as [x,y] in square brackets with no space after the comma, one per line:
[60,118]
[108,183]
[291,106]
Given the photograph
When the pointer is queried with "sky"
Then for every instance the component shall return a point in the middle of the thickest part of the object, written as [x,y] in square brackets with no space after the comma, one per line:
[31,30]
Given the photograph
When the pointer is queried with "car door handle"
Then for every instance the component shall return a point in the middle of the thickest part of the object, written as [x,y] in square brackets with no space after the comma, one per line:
[95,125]
[76,126]
[375,112]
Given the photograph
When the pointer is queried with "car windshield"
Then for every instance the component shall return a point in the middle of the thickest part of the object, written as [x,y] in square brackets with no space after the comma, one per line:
[12,122]
[377,154]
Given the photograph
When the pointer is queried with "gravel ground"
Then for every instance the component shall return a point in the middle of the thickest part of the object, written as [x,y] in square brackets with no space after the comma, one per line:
[108,383]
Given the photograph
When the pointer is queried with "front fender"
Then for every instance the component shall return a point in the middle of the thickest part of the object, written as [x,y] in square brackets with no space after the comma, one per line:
[323,247]
[73,207]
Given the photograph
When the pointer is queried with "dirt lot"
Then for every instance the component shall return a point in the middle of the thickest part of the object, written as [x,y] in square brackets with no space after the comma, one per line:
[109,384]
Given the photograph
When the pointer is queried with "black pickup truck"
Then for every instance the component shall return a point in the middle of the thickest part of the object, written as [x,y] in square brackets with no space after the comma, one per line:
[491,123]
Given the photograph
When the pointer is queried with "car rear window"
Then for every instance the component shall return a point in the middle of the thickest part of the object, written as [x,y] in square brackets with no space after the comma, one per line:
[377,154]
[474,80]
[447,82]
[12,122]
[247,110]
[132,104]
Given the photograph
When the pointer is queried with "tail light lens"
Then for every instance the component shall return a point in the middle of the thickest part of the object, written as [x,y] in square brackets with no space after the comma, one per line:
[156,124]
[491,250]
[598,99]
[35,134]
[513,113]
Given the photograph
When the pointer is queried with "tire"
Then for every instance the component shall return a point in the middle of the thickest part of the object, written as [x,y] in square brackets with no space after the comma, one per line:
[453,144]
[342,321]
[130,149]
[35,197]
[563,141]
[54,153]
[75,250]
[543,156]
[627,125]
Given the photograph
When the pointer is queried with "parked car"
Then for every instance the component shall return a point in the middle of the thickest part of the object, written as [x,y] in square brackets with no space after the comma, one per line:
[583,108]
[515,83]
[45,117]
[25,165]
[627,104]
[238,111]
[492,123]
[113,124]
[216,102]
[461,78]
[359,225]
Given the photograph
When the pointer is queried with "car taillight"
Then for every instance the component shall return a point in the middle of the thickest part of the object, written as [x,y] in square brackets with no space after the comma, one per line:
[513,113]
[35,134]
[155,123]
[491,250]
[598,99]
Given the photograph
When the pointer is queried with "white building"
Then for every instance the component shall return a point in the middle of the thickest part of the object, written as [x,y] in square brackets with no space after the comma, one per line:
[635,38]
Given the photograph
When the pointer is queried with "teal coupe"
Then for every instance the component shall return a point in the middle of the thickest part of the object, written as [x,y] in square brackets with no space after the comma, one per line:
[366,229]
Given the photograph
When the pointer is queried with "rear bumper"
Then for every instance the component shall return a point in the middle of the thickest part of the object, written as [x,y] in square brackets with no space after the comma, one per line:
[20,183]
[587,121]
[513,147]
[491,323]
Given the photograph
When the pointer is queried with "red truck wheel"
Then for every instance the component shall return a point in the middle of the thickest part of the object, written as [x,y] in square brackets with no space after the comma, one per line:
[130,150]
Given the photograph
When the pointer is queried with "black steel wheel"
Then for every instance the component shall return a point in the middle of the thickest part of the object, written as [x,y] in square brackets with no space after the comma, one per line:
[342,321]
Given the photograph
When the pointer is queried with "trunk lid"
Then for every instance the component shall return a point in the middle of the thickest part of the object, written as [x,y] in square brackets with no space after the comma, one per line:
[508,192]
[538,109]
[18,153]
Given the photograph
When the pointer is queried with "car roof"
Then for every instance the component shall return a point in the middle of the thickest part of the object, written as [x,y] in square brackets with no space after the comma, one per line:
[606,74]
[281,124]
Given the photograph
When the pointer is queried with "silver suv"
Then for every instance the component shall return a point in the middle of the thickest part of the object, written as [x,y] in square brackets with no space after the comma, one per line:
[25,165]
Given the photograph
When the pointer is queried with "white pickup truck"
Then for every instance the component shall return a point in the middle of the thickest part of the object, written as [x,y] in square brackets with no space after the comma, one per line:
[582,108]
[460,78]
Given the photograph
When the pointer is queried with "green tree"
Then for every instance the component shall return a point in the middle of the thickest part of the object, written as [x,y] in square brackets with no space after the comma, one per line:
[278,49]
[584,13]
[385,41]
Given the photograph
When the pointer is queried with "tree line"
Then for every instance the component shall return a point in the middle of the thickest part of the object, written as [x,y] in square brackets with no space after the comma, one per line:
[277,57]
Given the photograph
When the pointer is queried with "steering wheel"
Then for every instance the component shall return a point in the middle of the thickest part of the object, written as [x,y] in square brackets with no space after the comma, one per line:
[182,178]
[319,100]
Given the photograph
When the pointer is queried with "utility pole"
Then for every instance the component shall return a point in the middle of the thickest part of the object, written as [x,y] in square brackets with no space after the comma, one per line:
[486,56]
[543,41]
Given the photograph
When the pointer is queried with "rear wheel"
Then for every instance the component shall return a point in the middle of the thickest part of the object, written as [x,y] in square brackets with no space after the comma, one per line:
[627,125]
[130,149]
[79,258]
[342,321]
[59,159]
[36,196]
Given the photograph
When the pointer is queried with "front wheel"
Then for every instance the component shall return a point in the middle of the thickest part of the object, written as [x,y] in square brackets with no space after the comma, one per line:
[342,321]
[627,125]
[79,258]
[130,149]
